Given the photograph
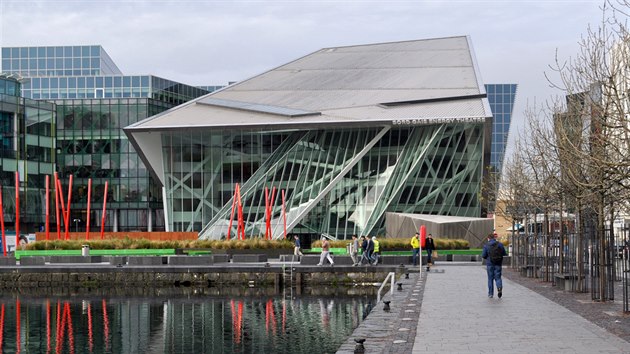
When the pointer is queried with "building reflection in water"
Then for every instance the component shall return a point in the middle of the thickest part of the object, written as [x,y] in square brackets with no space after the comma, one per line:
[204,324]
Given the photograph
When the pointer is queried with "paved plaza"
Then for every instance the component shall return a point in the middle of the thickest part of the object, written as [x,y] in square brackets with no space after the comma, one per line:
[458,317]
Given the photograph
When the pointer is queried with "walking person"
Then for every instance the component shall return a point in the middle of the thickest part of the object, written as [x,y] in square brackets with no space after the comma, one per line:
[364,254]
[493,252]
[325,253]
[377,251]
[430,247]
[369,249]
[354,250]
[415,246]
[297,249]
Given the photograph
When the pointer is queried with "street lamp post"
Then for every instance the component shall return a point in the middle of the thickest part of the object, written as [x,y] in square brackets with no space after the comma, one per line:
[76,224]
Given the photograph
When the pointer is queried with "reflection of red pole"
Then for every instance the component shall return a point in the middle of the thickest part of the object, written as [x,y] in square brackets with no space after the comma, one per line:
[87,217]
[61,331]
[56,181]
[284,214]
[90,337]
[105,326]
[47,207]
[4,239]
[1,327]
[70,330]
[104,212]
[17,209]
[47,325]
[58,337]
[67,221]
[17,326]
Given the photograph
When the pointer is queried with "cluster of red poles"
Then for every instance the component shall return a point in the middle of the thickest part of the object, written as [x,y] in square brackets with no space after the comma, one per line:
[59,200]
[237,205]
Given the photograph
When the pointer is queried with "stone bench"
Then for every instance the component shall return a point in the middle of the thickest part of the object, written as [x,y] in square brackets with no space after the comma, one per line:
[465,258]
[566,281]
[314,260]
[221,258]
[182,251]
[146,261]
[249,258]
[75,259]
[32,260]
[290,258]
[115,260]
[7,261]
[528,270]
[396,260]
[190,260]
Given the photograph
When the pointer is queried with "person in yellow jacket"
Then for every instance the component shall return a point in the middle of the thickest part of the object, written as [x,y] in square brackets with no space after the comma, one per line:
[376,252]
[415,245]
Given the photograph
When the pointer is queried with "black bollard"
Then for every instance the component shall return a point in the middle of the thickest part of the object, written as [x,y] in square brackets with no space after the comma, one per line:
[386,306]
[359,348]
[399,286]
[406,275]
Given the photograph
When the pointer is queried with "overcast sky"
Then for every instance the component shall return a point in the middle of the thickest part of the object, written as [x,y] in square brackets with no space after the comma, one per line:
[213,42]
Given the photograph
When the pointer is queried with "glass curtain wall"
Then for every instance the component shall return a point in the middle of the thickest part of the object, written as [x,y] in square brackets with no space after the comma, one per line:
[339,182]
[27,145]
[92,145]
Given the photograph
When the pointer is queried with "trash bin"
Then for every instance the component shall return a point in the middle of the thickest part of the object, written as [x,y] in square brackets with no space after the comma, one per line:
[85,251]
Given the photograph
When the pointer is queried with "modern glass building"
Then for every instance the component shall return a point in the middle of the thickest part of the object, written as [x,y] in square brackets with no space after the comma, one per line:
[27,145]
[94,101]
[344,135]
[501,98]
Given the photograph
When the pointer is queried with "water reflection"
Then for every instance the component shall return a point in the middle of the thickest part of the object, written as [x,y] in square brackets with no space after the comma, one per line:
[284,323]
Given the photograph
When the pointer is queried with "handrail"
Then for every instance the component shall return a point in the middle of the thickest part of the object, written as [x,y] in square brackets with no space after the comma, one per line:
[378,295]
[330,237]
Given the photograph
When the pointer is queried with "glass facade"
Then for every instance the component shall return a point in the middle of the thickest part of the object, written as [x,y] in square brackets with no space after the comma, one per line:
[336,181]
[27,145]
[87,60]
[94,101]
[501,98]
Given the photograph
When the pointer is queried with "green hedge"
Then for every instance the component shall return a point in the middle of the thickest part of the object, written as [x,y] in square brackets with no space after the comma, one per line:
[398,243]
[127,243]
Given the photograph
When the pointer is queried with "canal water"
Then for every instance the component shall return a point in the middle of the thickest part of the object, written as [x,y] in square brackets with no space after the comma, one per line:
[190,322]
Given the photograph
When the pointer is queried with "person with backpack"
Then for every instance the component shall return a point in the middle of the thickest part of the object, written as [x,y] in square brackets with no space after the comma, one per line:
[493,252]
[430,247]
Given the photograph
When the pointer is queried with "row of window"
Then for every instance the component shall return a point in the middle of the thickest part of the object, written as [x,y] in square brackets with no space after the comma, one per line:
[60,51]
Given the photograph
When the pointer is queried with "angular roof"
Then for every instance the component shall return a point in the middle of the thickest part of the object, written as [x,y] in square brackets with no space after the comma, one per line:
[420,80]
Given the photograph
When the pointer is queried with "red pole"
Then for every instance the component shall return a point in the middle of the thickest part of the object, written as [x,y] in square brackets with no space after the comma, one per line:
[63,206]
[104,209]
[87,221]
[284,214]
[240,215]
[67,221]
[17,209]
[266,213]
[47,207]
[4,239]
[273,200]
[56,181]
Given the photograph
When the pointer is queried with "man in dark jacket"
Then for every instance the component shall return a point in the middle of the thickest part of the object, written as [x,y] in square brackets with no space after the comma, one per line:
[493,253]
[430,247]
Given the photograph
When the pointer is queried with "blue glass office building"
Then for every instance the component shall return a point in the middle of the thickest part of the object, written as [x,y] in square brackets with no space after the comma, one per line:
[94,101]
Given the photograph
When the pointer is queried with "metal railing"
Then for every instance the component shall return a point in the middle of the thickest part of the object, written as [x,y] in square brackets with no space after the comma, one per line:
[391,275]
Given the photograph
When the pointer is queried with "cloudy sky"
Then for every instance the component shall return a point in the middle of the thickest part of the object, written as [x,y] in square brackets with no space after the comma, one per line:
[212,42]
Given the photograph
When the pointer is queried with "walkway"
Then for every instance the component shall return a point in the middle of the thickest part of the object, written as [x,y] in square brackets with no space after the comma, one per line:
[458,317]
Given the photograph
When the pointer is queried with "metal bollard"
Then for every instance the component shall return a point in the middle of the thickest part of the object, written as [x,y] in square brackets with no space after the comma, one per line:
[386,306]
[359,348]
[407,275]
[400,286]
